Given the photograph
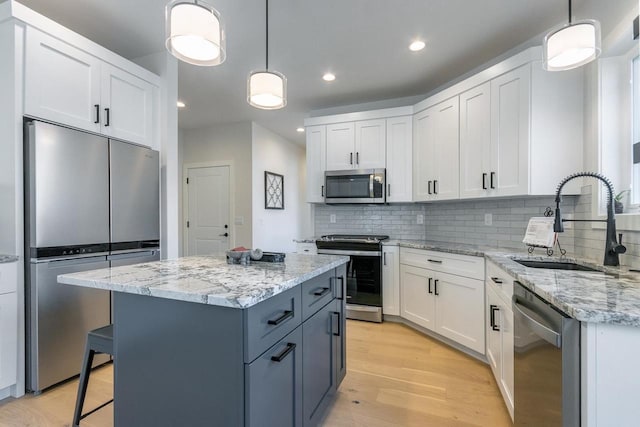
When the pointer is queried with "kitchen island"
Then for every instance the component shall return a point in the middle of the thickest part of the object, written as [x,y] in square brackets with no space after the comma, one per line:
[200,342]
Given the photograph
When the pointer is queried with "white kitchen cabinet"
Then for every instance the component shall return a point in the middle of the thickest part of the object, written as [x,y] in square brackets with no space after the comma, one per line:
[519,134]
[436,149]
[418,303]
[370,144]
[499,331]
[391,280]
[356,145]
[8,339]
[459,310]
[475,141]
[66,85]
[340,146]
[448,304]
[399,159]
[316,162]
[62,83]
[127,106]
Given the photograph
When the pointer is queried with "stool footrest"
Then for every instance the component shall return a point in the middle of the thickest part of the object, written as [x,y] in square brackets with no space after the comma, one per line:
[83,416]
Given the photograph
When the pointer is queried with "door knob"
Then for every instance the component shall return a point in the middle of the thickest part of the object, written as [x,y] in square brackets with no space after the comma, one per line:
[224,235]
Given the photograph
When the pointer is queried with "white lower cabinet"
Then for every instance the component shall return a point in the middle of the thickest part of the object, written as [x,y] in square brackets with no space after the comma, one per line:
[499,331]
[8,339]
[391,280]
[447,304]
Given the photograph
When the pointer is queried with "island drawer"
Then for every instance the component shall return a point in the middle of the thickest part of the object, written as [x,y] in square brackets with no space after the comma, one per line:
[316,293]
[268,322]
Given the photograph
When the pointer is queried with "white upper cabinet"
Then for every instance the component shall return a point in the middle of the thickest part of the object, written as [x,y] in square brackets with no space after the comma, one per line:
[127,105]
[510,105]
[316,163]
[399,159]
[436,163]
[356,145]
[370,144]
[62,83]
[66,85]
[340,146]
[475,141]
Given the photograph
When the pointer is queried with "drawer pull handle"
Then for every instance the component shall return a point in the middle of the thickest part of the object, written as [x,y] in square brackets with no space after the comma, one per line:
[497,280]
[280,357]
[435,261]
[288,314]
[323,292]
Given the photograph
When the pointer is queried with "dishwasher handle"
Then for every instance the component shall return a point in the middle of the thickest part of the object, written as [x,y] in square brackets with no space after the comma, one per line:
[543,331]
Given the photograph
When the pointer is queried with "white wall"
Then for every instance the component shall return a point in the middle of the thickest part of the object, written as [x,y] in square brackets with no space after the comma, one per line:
[274,230]
[229,142]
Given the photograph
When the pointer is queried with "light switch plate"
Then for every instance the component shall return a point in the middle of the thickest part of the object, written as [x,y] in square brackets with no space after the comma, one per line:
[488,219]
[420,219]
[332,218]
[239,220]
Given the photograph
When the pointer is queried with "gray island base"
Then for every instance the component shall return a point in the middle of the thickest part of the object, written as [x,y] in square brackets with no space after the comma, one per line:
[276,363]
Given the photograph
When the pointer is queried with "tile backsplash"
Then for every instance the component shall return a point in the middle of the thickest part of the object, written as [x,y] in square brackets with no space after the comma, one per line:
[399,221]
[455,222]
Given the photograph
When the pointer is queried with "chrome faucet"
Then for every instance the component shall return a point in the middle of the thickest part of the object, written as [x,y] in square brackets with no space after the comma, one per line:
[613,246]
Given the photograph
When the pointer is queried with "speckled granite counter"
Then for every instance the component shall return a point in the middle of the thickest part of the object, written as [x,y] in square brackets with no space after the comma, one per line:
[7,258]
[611,295]
[208,279]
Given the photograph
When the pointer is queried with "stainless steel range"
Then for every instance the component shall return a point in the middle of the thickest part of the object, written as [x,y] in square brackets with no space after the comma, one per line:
[364,272]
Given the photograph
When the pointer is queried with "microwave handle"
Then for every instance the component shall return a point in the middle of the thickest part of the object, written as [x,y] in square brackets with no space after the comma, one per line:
[371,185]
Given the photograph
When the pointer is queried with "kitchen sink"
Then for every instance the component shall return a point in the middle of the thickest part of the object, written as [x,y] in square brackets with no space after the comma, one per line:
[554,265]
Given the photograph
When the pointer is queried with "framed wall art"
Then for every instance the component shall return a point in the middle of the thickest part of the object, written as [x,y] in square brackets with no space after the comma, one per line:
[273,190]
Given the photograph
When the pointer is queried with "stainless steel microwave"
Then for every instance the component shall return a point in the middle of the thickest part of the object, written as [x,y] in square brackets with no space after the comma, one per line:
[355,186]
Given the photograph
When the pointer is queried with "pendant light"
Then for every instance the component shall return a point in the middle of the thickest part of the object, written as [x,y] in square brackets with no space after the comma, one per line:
[195,32]
[572,45]
[267,89]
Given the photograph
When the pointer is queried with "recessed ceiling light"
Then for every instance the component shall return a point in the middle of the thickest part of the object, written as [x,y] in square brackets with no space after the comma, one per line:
[329,77]
[300,129]
[180,104]
[416,46]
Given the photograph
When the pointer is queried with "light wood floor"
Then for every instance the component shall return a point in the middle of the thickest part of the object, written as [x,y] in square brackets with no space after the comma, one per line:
[395,377]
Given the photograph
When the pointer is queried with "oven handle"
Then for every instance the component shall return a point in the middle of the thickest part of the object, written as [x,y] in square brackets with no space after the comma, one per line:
[543,331]
[347,252]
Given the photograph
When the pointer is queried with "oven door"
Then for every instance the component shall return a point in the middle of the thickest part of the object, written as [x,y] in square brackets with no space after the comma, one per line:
[355,186]
[364,280]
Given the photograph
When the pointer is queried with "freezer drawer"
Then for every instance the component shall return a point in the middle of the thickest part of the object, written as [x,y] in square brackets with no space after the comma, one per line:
[59,318]
[135,189]
[130,258]
[68,186]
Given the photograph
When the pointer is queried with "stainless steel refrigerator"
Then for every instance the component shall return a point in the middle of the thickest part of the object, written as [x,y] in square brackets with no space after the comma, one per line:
[90,202]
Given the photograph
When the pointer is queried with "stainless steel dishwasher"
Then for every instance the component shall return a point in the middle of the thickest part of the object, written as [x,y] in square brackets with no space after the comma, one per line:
[546,363]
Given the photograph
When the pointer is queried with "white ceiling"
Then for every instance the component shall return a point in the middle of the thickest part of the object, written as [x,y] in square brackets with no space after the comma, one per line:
[364,42]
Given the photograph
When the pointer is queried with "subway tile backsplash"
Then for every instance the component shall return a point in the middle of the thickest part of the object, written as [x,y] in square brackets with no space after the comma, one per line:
[464,222]
[456,222]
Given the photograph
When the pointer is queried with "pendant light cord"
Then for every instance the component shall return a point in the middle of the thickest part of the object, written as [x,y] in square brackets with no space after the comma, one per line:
[569,12]
[266,26]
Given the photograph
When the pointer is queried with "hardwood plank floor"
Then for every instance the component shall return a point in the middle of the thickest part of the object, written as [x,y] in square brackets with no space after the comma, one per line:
[395,377]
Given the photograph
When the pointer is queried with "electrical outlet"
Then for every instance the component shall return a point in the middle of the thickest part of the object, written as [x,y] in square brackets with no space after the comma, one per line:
[420,219]
[332,218]
[488,219]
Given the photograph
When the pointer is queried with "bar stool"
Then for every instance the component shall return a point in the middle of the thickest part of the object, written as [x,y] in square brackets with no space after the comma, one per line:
[98,341]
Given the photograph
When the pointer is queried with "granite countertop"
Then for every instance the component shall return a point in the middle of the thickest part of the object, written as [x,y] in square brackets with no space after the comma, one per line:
[208,279]
[611,295]
[4,259]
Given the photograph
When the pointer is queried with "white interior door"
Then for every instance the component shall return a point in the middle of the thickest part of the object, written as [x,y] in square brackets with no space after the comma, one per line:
[207,218]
